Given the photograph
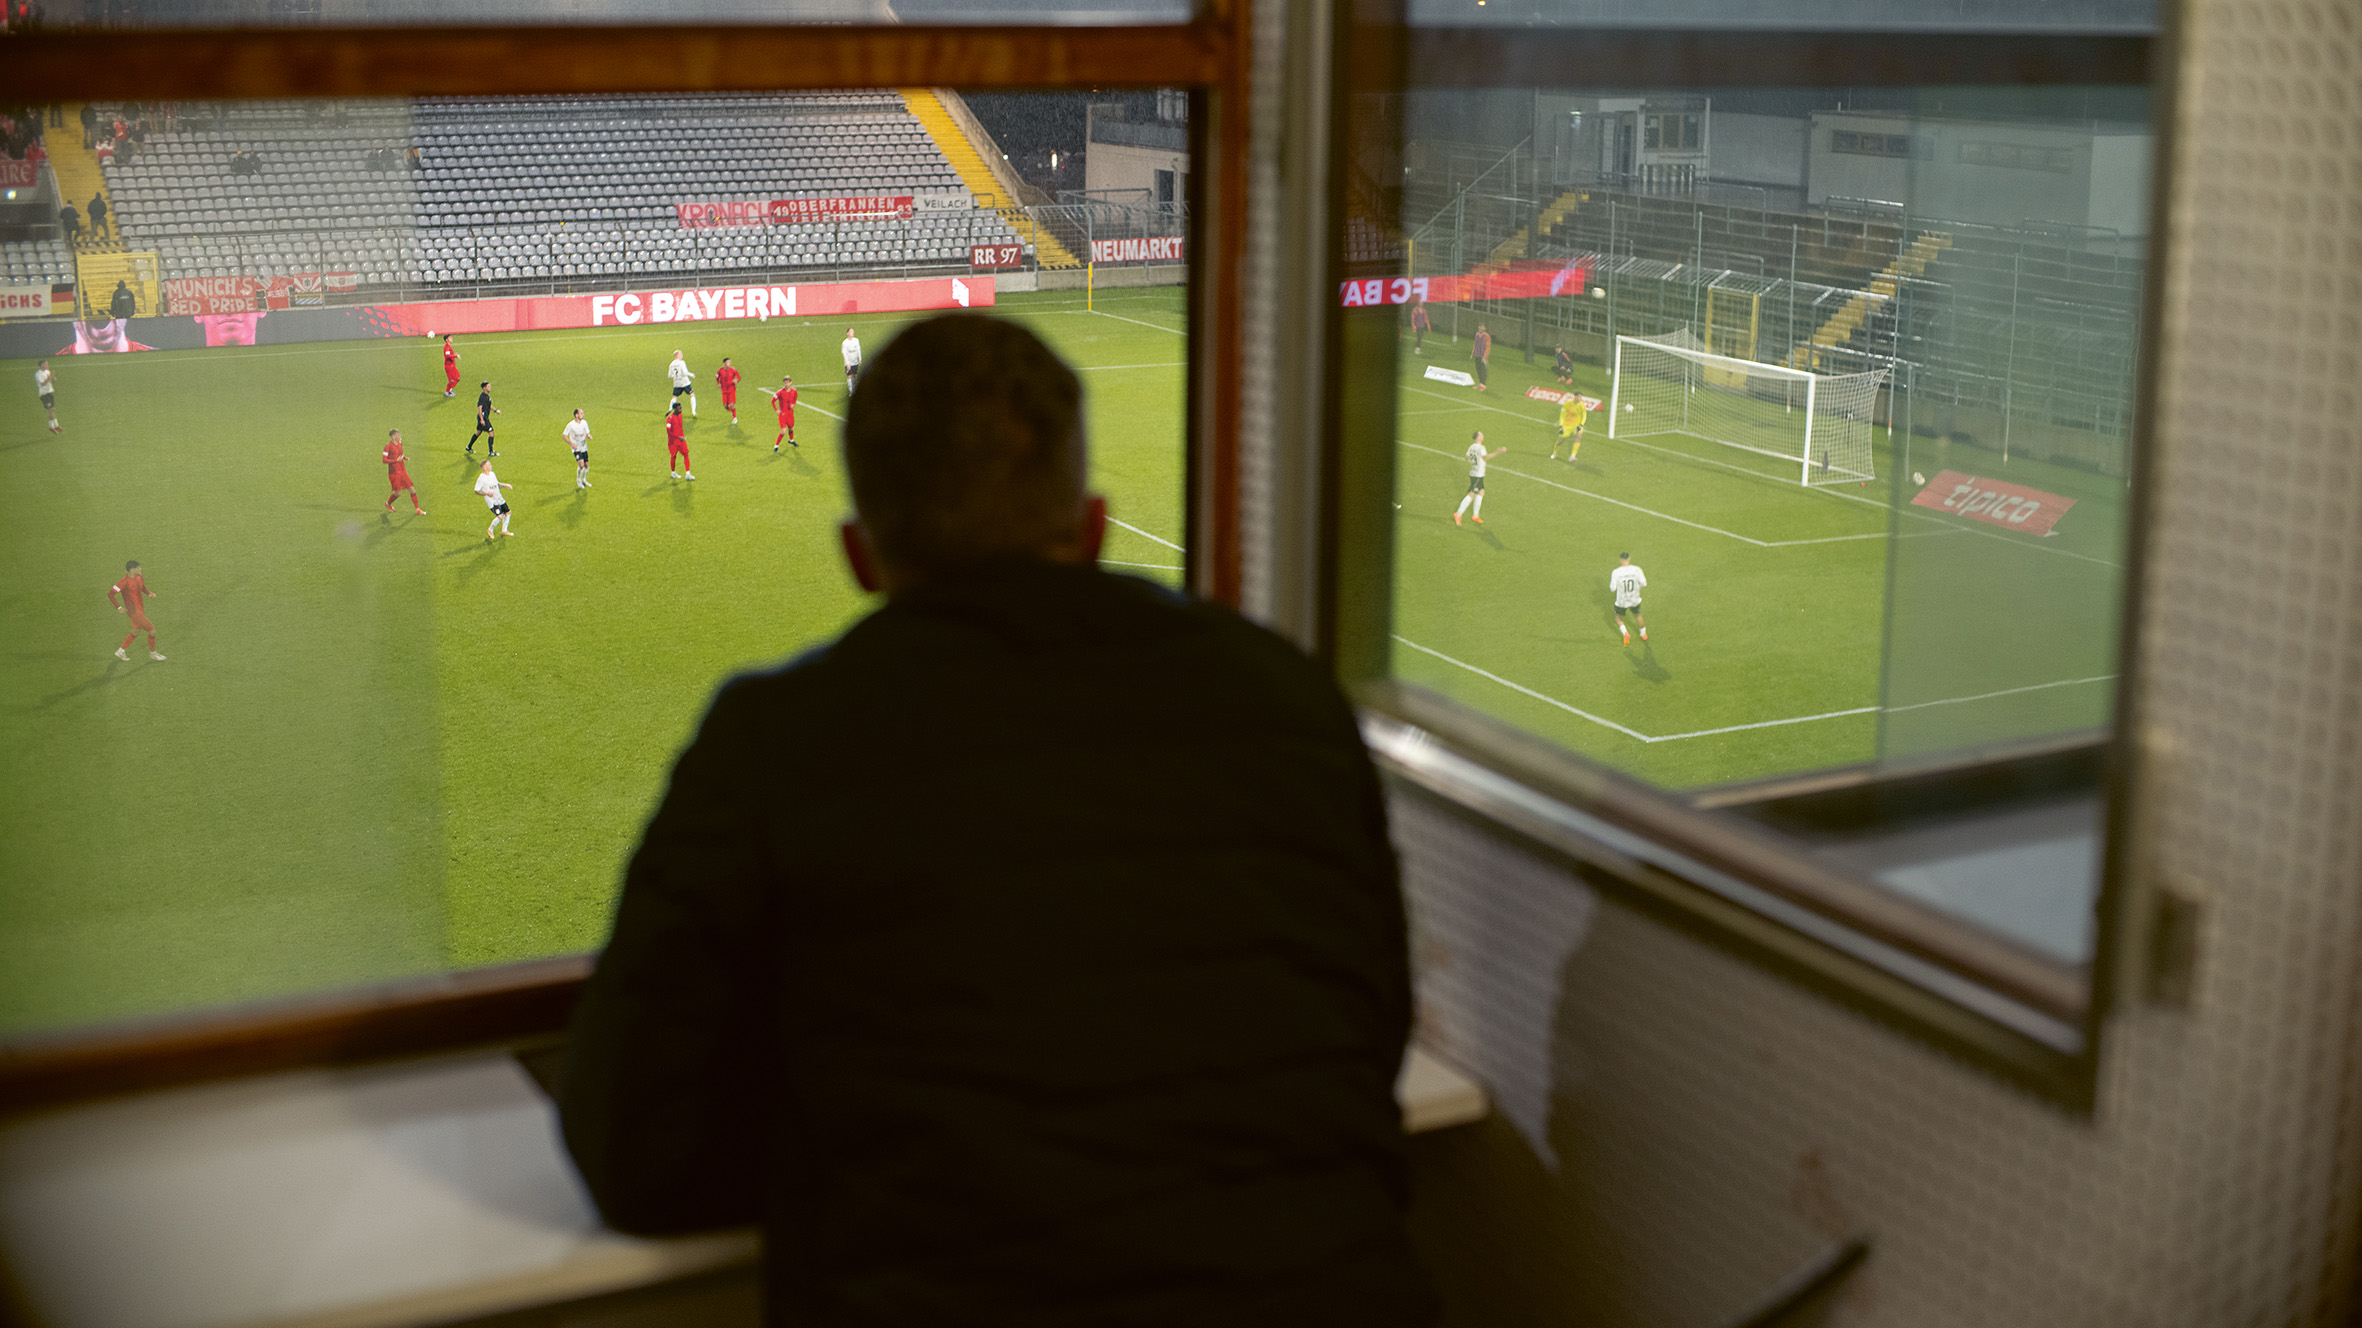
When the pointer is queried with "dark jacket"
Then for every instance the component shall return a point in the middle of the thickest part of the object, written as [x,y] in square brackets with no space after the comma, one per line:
[1031,955]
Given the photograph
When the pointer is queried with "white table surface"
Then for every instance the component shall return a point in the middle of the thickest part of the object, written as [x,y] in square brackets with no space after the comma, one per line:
[411,1192]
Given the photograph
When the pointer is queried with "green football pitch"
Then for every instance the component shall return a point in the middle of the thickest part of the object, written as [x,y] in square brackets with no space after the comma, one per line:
[1790,628]
[382,747]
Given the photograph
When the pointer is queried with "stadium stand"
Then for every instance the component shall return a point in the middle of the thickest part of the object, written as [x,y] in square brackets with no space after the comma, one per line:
[525,192]
[24,262]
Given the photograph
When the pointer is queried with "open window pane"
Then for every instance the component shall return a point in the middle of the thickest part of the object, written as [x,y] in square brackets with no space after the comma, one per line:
[382,743]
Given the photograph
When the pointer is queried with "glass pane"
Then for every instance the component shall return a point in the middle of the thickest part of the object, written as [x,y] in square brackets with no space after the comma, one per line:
[381,743]
[1847,374]
[477,13]
[2080,16]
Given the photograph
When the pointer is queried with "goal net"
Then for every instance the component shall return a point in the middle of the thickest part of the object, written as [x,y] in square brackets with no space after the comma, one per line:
[1673,384]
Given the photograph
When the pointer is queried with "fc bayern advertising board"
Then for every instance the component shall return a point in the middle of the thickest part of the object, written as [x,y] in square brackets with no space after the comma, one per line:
[239,323]
[2009,506]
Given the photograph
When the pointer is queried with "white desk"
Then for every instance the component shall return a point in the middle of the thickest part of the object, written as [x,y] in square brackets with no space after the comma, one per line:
[414,1192]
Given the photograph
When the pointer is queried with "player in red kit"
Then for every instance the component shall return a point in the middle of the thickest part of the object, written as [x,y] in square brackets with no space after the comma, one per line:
[450,367]
[675,444]
[785,400]
[397,471]
[726,378]
[129,596]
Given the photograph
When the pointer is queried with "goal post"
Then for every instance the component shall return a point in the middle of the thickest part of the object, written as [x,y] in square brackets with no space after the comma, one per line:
[1674,384]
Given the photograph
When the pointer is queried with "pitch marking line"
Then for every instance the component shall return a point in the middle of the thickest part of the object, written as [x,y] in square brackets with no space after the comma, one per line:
[1759,724]
[1145,535]
[1161,567]
[1153,327]
[1618,502]
[1881,504]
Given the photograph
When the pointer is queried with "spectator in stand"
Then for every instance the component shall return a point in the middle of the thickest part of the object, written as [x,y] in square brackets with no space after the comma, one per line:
[413,156]
[57,115]
[106,152]
[125,303]
[98,214]
[70,221]
[89,125]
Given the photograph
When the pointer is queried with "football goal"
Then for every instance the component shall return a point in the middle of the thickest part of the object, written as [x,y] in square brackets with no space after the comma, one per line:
[1673,384]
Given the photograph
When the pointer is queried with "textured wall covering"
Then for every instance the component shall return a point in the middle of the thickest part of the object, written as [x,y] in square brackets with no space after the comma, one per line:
[1714,1125]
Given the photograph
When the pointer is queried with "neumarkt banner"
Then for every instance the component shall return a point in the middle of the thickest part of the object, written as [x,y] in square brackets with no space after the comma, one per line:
[101,273]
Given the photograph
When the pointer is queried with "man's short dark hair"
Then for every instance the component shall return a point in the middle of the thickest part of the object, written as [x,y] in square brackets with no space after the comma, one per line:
[131,566]
[965,444]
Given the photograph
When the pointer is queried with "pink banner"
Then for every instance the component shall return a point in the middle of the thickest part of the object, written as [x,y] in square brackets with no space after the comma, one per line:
[714,303]
[16,174]
[718,213]
[209,295]
[786,211]
[2010,506]
[1145,249]
[1518,283]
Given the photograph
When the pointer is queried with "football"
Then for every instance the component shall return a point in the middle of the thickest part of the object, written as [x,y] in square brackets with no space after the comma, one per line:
[1917,478]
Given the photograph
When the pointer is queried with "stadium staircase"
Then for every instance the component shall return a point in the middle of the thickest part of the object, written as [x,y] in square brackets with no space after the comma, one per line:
[78,180]
[1848,320]
[1518,243]
[968,160]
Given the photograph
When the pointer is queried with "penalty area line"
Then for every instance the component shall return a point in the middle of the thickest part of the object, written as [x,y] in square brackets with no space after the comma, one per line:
[1741,728]
[1586,493]
[1145,535]
[1160,567]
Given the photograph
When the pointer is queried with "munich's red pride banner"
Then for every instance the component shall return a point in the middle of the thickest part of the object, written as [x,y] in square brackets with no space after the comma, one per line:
[2009,506]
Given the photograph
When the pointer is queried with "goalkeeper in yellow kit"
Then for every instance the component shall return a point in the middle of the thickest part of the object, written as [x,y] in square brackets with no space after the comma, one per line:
[1570,426]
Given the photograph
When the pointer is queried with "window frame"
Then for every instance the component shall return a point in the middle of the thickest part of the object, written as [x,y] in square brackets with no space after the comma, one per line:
[530,1001]
[1755,894]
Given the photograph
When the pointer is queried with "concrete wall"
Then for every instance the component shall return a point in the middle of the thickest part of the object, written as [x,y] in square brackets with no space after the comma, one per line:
[1116,166]
[2120,182]
[2105,173]
[1759,149]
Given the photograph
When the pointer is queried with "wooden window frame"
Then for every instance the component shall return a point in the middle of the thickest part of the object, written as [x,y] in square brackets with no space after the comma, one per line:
[526,1002]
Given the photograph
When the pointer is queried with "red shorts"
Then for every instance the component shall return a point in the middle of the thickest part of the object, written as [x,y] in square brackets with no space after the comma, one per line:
[140,623]
[729,397]
[675,449]
[400,478]
[787,419]
[450,373]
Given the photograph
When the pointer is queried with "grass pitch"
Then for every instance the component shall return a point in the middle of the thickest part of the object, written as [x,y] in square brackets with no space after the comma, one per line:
[382,747]
[1790,629]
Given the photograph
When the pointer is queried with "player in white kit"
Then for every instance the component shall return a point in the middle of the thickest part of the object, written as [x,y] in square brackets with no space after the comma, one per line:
[850,348]
[1626,581]
[683,381]
[1477,456]
[578,436]
[45,386]
[489,485]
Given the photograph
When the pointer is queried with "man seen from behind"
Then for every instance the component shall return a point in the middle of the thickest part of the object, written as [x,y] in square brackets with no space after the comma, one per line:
[1030,954]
